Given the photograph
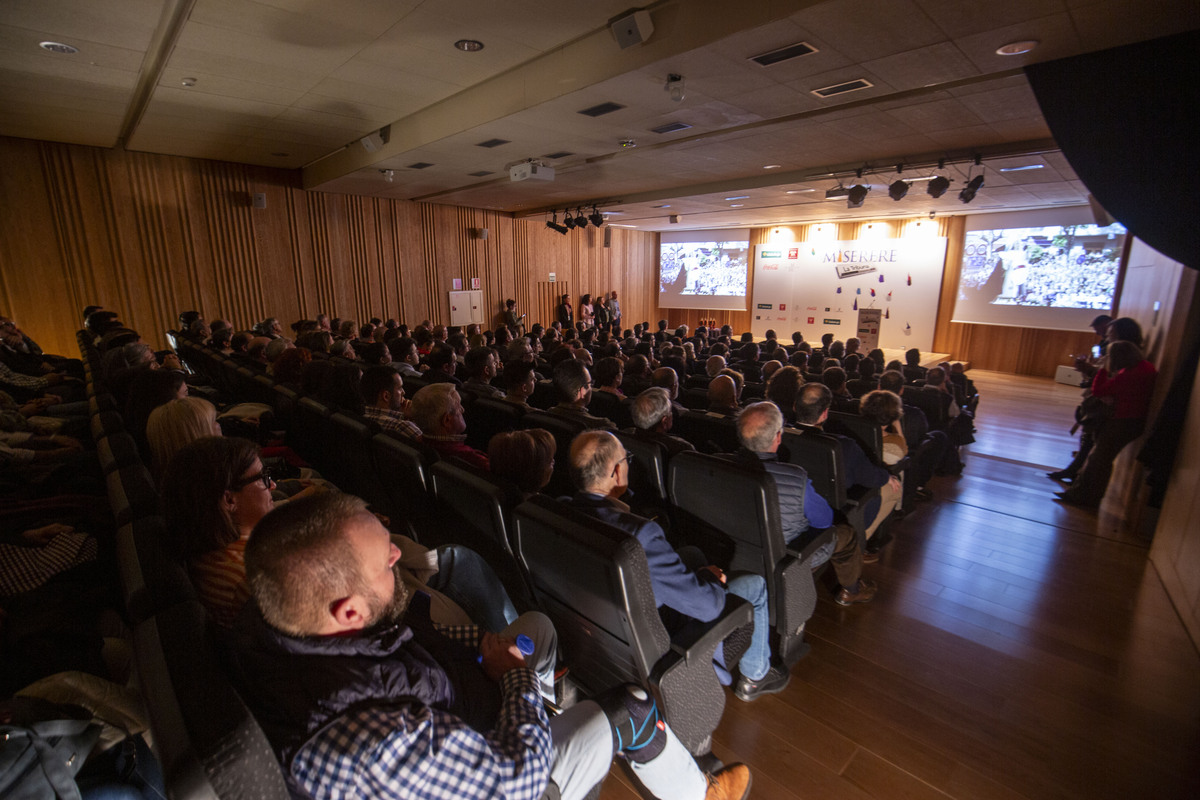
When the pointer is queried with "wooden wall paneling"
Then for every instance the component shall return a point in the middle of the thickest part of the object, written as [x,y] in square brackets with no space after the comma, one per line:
[435,308]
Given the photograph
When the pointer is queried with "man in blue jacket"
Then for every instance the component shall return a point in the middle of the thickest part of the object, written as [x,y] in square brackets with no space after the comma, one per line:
[600,470]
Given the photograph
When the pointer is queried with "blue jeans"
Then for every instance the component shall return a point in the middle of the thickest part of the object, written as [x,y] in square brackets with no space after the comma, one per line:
[469,581]
[753,589]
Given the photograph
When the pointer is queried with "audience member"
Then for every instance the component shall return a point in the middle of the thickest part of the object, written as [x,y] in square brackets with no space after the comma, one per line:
[437,410]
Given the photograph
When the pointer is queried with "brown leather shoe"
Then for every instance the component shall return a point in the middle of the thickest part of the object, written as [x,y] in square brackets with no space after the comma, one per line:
[870,557]
[865,594]
[731,783]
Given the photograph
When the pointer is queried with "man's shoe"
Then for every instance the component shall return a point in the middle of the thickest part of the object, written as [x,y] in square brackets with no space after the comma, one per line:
[1075,500]
[1062,476]
[865,594]
[731,783]
[870,556]
[922,493]
[774,682]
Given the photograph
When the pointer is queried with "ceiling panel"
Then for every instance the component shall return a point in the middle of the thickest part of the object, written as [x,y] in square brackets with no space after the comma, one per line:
[306,78]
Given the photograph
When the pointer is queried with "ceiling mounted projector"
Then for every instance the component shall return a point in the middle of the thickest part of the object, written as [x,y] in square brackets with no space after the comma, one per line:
[527,170]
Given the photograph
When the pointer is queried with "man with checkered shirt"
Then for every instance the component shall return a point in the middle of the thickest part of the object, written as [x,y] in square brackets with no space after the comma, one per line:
[361,695]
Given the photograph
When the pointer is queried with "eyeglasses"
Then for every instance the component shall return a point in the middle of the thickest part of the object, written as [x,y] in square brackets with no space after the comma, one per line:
[627,460]
[264,476]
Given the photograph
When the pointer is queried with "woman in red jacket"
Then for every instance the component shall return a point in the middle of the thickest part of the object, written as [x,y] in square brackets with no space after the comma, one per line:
[1127,381]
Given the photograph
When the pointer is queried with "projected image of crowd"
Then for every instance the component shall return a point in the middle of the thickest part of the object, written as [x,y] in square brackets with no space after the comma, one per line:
[1068,267]
[703,268]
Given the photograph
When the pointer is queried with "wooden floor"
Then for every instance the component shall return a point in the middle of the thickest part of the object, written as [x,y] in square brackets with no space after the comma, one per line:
[1012,652]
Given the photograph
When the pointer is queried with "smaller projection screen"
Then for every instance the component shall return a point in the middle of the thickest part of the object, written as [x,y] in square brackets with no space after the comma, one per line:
[705,270]
[1048,269]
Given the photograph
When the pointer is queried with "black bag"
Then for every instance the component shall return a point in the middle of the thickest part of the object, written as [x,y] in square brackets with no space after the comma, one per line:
[42,747]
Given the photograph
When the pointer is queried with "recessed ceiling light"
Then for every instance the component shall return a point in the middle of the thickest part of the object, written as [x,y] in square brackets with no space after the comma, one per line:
[665,205]
[739,197]
[1022,169]
[188,82]
[1017,48]
[469,45]
[772,166]
[799,191]
[58,47]
[736,205]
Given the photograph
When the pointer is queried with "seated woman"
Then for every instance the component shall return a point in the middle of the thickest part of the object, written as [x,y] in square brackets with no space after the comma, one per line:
[176,424]
[524,457]
[216,490]
[213,494]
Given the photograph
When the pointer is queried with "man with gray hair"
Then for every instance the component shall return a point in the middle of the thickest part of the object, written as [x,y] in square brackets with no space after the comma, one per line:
[684,586]
[760,430]
[438,412]
[653,417]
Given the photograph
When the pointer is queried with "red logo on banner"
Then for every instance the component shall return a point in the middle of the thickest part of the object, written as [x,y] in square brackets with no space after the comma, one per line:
[783,306]
[794,252]
[811,320]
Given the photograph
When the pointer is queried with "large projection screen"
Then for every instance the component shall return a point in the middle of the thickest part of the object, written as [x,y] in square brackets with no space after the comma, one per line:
[704,270]
[1053,269]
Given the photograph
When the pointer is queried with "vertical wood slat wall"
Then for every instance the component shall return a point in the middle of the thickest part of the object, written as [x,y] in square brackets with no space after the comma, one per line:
[149,236]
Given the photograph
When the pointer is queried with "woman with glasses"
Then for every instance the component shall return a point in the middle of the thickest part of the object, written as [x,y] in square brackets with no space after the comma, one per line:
[213,494]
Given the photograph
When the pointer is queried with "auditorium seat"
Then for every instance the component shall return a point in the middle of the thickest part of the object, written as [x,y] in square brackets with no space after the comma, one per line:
[739,502]
[593,582]
[708,433]
[208,742]
[821,457]
[488,416]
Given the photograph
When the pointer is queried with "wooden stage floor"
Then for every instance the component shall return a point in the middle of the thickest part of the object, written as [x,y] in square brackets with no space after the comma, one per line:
[1012,653]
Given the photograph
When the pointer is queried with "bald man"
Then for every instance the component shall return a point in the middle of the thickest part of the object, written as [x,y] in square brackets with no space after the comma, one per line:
[600,470]
[722,396]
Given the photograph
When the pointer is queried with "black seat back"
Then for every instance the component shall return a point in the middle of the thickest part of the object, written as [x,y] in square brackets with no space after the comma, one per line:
[648,471]
[860,429]
[739,500]
[564,430]
[709,433]
[593,582]
[488,416]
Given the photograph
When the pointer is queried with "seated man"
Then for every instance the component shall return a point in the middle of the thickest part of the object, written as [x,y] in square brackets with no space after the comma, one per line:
[573,383]
[722,396]
[437,410]
[442,365]
[760,430]
[384,401]
[480,366]
[600,469]
[360,695]
[812,409]
[652,419]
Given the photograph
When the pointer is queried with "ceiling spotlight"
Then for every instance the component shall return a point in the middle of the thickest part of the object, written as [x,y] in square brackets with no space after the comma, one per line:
[580,220]
[568,220]
[627,143]
[973,186]
[59,48]
[937,186]
[388,175]
[596,217]
[1017,48]
[469,45]
[898,189]
[554,226]
[836,193]
[856,195]
[675,87]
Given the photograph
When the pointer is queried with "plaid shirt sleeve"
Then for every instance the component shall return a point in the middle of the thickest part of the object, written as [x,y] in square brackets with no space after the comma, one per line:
[413,751]
[14,378]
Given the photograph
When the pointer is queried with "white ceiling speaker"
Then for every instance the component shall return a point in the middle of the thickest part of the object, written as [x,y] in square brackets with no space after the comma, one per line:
[632,29]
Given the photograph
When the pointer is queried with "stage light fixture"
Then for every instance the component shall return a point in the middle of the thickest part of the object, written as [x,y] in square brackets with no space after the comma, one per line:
[973,186]
[836,193]
[596,217]
[568,220]
[554,226]
[581,221]
[938,186]
[856,195]
[898,189]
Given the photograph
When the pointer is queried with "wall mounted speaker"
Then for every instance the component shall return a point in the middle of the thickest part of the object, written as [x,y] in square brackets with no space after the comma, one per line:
[260,200]
[632,29]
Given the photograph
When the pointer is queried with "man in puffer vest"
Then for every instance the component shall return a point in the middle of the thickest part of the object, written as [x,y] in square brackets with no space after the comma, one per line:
[361,695]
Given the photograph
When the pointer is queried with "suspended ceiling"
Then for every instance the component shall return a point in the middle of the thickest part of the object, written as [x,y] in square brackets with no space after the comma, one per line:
[297,84]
